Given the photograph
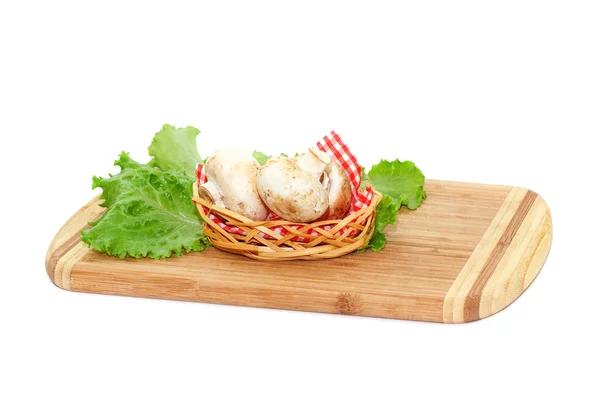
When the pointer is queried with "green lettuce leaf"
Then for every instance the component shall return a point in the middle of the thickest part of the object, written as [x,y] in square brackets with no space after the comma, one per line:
[387,211]
[377,242]
[262,158]
[403,181]
[400,183]
[149,213]
[175,149]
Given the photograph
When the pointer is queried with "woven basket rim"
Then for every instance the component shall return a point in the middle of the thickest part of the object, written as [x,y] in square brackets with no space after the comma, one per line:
[328,244]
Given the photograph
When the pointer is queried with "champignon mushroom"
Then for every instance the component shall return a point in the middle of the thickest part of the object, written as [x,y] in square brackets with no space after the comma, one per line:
[210,192]
[339,191]
[231,177]
[314,161]
[291,192]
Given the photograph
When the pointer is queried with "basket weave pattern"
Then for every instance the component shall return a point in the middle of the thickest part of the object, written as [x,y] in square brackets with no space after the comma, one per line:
[263,243]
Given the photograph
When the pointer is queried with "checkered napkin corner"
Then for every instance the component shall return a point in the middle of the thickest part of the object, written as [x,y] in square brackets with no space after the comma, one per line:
[333,145]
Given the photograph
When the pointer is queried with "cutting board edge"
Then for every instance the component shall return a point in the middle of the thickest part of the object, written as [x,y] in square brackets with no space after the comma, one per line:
[508,258]
[63,255]
[60,253]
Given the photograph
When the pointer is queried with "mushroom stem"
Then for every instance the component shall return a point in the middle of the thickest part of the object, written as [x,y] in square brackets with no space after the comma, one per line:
[314,161]
[210,192]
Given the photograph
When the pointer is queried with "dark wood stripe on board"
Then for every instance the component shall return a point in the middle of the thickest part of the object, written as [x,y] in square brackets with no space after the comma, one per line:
[473,300]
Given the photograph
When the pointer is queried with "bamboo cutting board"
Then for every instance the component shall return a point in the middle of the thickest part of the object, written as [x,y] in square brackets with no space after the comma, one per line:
[468,252]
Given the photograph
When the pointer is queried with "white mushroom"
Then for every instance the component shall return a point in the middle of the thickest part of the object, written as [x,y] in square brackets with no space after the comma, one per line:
[291,192]
[210,192]
[314,161]
[232,177]
[339,191]
[332,176]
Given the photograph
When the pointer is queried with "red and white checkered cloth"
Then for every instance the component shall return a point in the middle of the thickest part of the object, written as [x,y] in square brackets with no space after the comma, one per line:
[333,145]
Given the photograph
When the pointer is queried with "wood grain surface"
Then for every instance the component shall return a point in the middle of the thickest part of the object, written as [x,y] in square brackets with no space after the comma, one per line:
[467,253]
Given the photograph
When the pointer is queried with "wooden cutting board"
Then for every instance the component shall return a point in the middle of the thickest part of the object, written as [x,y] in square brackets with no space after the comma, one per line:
[468,252]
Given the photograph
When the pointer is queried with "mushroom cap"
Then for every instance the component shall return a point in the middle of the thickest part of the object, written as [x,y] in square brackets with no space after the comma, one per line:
[234,172]
[291,192]
[340,191]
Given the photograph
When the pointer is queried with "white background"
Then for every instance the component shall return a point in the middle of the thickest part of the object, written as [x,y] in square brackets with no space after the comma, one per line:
[496,92]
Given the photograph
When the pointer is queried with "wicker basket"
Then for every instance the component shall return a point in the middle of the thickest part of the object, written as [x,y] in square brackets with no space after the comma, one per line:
[329,244]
